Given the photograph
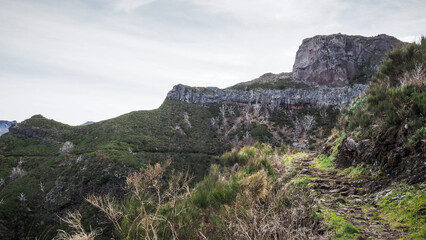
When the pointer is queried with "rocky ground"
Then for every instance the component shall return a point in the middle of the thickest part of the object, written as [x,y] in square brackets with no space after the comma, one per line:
[348,198]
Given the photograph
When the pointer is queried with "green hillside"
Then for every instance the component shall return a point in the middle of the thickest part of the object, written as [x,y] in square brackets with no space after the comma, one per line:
[102,155]
[48,168]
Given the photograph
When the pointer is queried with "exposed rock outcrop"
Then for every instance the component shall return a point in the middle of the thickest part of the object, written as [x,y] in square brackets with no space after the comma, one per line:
[336,60]
[328,70]
[5,125]
[316,95]
[67,147]
[386,153]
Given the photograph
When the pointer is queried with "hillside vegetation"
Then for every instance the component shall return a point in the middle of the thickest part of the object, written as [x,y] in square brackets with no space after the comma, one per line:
[47,167]
[253,198]
[387,125]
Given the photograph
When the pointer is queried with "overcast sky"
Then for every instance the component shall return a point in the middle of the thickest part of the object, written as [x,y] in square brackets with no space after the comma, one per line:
[81,60]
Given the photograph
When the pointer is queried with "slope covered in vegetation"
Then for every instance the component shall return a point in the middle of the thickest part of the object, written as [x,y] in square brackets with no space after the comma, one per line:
[386,126]
[47,167]
[255,195]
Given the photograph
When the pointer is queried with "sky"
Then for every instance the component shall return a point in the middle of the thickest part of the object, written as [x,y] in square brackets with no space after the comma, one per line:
[90,60]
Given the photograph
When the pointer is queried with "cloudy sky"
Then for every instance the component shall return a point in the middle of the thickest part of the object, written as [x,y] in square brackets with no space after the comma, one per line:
[80,60]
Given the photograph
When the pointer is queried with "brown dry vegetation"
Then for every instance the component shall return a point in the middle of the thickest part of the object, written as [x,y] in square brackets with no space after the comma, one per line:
[253,199]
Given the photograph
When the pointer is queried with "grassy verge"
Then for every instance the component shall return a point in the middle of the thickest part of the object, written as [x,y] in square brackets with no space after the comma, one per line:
[340,228]
[303,180]
[405,208]
[357,172]
[324,161]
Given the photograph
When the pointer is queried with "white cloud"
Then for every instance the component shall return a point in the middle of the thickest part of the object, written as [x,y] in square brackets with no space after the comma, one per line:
[97,62]
[411,39]
[129,5]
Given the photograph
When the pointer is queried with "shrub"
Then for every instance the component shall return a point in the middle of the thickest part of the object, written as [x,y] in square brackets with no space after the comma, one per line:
[285,212]
[230,158]
[153,207]
[396,95]
[401,60]
[211,192]
[267,165]
[255,185]
[419,135]
[250,152]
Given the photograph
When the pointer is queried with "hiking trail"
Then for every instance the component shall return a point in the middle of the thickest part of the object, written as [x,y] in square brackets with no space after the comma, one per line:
[348,199]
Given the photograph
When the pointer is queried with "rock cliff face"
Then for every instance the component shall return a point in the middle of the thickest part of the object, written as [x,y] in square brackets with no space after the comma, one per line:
[336,60]
[5,125]
[329,70]
[315,95]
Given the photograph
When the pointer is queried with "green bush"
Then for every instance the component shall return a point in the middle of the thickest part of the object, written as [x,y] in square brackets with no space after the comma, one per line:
[401,60]
[268,166]
[390,107]
[419,135]
[388,103]
[210,192]
[238,156]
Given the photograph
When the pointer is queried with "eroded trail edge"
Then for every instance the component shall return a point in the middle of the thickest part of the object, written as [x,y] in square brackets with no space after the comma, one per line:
[348,198]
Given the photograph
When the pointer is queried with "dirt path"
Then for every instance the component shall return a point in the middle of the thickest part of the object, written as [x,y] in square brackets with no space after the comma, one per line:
[348,199]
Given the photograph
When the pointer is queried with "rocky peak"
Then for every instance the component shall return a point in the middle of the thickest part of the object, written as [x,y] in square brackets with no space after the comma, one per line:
[329,70]
[338,60]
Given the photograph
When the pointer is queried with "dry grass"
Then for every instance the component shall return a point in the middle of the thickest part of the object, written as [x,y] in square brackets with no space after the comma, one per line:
[151,193]
[109,207]
[268,207]
[276,210]
[73,220]
[416,77]
[253,201]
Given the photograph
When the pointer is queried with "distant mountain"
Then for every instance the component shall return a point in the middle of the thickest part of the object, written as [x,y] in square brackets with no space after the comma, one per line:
[87,123]
[5,125]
